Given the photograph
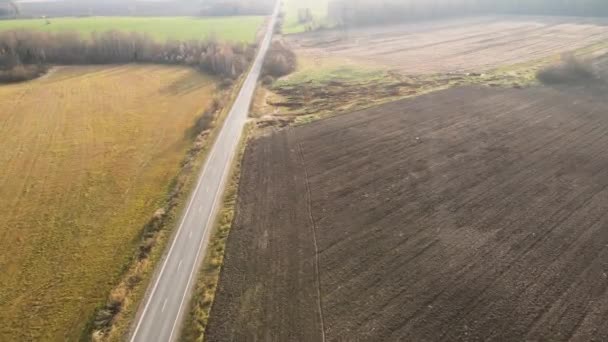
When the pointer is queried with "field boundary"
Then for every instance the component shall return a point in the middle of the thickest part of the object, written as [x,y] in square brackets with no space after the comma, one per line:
[210,269]
[313,229]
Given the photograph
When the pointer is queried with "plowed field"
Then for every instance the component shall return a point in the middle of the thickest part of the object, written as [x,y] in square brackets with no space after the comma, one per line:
[457,45]
[472,214]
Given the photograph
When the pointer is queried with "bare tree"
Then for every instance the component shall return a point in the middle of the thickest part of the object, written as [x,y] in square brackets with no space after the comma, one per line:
[13,5]
[22,47]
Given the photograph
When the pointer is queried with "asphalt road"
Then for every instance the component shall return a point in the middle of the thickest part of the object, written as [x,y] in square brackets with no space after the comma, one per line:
[165,306]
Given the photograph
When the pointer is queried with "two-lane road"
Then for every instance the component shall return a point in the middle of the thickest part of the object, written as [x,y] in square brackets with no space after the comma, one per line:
[163,309]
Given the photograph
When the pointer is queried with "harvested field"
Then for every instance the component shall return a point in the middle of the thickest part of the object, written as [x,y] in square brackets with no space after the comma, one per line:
[456,45]
[471,214]
[88,155]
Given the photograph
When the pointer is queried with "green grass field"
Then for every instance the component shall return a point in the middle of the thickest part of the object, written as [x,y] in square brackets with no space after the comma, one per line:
[291,7]
[241,29]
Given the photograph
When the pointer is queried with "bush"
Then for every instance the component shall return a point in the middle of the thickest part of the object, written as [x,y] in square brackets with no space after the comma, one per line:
[20,73]
[267,80]
[278,27]
[280,61]
[204,122]
[570,71]
[226,83]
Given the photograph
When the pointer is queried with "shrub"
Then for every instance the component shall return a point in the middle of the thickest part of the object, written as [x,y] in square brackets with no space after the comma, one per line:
[204,122]
[226,83]
[20,73]
[280,61]
[267,80]
[278,27]
[570,71]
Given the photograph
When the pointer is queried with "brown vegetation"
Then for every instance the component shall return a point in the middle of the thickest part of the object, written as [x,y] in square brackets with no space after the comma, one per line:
[469,214]
[294,99]
[20,73]
[280,60]
[278,26]
[23,47]
[334,96]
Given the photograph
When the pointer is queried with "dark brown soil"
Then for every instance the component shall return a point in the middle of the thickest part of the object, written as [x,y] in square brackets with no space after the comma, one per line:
[472,214]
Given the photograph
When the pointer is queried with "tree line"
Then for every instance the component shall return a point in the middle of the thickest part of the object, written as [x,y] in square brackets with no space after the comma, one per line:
[370,12]
[236,7]
[8,8]
[21,50]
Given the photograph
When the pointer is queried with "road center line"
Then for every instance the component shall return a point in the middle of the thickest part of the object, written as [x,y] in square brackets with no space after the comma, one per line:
[180,265]
[164,304]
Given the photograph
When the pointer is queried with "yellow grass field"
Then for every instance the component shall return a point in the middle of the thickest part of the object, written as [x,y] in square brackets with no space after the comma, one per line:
[87,156]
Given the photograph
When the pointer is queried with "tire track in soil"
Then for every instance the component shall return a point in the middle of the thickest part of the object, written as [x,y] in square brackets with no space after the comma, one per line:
[313,231]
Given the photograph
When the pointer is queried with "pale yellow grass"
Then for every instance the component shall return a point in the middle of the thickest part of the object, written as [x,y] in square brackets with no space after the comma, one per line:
[87,155]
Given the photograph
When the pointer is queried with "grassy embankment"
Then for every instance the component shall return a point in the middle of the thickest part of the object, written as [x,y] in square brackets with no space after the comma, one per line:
[208,278]
[241,29]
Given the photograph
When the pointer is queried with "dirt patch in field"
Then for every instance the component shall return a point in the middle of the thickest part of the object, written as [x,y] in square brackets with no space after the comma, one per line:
[458,45]
[292,100]
[468,214]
